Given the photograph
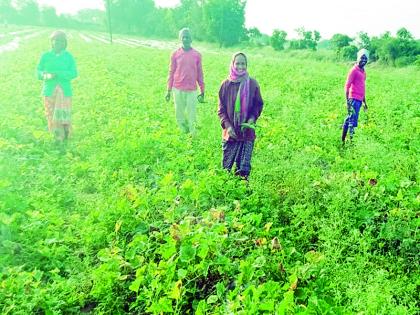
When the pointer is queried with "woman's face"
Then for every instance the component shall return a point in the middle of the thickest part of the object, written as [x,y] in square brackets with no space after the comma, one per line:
[58,44]
[240,63]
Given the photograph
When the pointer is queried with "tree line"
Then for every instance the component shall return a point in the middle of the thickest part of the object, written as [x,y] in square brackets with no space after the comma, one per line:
[29,12]
[220,21]
[400,50]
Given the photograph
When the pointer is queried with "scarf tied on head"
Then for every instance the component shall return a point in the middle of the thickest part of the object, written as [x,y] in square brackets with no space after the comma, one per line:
[362,52]
[242,98]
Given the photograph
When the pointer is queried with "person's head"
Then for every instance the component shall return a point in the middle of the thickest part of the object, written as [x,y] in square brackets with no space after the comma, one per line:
[185,38]
[239,62]
[362,57]
[58,41]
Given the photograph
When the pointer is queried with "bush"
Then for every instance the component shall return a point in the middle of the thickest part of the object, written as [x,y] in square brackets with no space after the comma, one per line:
[405,61]
[349,52]
[417,62]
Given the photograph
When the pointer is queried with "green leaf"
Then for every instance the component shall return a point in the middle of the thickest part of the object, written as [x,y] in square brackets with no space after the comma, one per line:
[167,250]
[267,306]
[187,253]
[135,285]
[182,273]
[203,250]
[287,304]
[259,262]
[176,290]
[212,299]
[163,305]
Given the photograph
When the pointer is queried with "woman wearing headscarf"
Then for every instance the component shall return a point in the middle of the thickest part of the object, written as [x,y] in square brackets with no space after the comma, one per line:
[355,93]
[56,69]
[240,105]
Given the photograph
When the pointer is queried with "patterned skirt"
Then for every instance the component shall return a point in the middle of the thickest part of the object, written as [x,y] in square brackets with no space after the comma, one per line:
[58,113]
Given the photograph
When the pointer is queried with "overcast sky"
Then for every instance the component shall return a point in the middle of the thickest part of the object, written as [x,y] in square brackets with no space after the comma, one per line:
[327,16]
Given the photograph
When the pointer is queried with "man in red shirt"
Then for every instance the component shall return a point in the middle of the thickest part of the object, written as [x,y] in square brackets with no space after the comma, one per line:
[185,72]
[355,93]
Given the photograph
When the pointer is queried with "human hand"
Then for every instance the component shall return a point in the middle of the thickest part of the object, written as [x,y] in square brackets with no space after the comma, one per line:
[247,125]
[348,104]
[168,96]
[48,76]
[200,98]
[231,133]
[365,108]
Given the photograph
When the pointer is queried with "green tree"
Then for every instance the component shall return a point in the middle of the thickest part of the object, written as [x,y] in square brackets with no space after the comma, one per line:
[307,39]
[254,32]
[338,41]
[348,52]
[132,16]
[165,23]
[363,40]
[256,38]
[92,18]
[49,17]
[404,34]
[397,51]
[278,39]
[225,20]
[388,51]
[28,12]
[7,11]
[190,14]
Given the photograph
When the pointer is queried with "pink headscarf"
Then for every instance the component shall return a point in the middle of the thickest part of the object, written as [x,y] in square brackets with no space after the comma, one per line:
[243,92]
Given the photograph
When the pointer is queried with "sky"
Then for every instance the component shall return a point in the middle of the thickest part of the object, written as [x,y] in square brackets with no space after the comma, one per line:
[326,16]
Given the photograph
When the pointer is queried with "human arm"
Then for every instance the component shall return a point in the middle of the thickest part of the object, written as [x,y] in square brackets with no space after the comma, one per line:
[257,105]
[365,107]
[200,79]
[349,82]
[172,68]
[42,74]
[222,111]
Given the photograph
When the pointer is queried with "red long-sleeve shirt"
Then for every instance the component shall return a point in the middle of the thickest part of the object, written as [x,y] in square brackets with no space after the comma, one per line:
[355,84]
[185,70]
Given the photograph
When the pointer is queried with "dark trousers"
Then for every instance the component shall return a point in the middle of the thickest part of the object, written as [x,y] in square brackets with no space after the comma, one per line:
[239,153]
[352,119]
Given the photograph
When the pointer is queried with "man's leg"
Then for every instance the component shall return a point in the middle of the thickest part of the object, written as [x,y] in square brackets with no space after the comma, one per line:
[348,124]
[180,104]
[191,111]
[355,116]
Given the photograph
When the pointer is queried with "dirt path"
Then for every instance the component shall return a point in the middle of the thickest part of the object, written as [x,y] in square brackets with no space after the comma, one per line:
[16,41]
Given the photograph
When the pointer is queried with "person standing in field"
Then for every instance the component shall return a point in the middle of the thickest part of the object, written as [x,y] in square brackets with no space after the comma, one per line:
[355,94]
[185,71]
[240,105]
[56,69]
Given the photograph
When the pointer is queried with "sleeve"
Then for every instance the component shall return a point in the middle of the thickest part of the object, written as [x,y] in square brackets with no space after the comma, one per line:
[222,111]
[172,68]
[70,73]
[40,68]
[350,79]
[257,102]
[200,76]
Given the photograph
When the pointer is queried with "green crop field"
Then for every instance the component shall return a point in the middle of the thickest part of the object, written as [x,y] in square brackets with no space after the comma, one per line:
[131,216]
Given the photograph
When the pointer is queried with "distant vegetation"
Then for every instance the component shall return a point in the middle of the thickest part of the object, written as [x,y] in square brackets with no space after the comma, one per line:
[221,21]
